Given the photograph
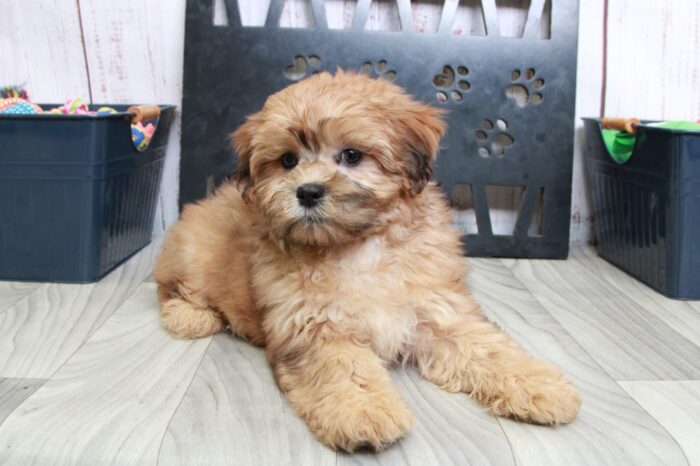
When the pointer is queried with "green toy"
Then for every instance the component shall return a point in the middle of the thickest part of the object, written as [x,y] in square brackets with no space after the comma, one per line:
[619,134]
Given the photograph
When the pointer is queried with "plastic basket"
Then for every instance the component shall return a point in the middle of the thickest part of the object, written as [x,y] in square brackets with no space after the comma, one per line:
[647,210]
[76,197]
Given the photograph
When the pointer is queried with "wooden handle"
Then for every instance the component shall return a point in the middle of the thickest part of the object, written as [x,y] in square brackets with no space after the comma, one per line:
[621,124]
[144,112]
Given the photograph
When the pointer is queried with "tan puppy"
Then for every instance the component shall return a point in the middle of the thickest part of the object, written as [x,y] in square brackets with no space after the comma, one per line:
[336,253]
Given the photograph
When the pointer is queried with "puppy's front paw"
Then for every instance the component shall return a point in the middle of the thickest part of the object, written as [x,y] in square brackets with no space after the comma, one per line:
[376,423]
[543,397]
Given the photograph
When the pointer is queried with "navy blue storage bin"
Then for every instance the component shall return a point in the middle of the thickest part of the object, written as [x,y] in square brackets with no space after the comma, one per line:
[647,210]
[76,197]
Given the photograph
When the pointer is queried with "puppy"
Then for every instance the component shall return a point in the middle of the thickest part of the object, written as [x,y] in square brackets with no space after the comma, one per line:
[335,251]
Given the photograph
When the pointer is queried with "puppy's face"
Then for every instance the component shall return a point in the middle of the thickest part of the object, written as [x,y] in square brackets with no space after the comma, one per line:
[328,159]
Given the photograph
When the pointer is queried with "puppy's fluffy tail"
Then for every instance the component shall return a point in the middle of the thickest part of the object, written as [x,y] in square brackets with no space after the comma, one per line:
[186,319]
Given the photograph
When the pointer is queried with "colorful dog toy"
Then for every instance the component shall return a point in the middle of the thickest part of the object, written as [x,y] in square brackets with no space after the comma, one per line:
[141,135]
[619,134]
[73,107]
[16,91]
[14,100]
[105,111]
[18,106]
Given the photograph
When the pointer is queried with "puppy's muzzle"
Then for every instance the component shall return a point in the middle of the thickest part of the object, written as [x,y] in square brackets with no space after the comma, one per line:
[309,195]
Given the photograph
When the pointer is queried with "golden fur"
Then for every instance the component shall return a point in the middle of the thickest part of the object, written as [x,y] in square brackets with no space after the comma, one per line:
[372,275]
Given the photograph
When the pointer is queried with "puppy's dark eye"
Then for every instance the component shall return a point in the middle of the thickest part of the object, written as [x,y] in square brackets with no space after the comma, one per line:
[289,161]
[351,157]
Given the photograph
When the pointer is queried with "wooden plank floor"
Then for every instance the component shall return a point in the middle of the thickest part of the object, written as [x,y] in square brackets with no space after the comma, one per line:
[87,376]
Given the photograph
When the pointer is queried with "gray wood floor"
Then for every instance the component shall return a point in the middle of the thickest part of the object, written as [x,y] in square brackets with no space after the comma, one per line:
[87,376]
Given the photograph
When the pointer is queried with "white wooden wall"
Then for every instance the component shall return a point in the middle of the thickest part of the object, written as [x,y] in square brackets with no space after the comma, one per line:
[132,51]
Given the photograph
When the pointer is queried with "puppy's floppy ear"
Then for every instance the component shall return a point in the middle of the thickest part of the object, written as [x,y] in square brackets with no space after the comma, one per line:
[242,141]
[420,128]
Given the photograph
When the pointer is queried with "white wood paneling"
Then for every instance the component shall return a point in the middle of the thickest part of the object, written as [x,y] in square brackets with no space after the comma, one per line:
[589,88]
[653,65]
[41,47]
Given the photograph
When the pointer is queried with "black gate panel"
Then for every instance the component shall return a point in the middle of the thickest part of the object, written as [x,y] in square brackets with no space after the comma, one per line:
[510,101]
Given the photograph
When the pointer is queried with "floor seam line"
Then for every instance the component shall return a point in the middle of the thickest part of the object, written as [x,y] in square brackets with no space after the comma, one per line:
[91,334]
[687,460]
[634,299]
[177,408]
[9,415]
[583,348]
[595,361]
[5,309]
[510,445]
[656,380]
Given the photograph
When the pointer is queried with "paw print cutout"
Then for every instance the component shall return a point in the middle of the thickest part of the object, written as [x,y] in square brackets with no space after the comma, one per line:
[493,140]
[451,85]
[302,67]
[526,88]
[380,70]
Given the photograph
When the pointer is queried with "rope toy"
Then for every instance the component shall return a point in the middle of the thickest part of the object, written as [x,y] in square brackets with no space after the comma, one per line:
[141,135]
[14,100]
[18,106]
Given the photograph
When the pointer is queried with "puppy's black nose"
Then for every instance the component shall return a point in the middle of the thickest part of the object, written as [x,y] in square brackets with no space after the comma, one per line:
[310,194]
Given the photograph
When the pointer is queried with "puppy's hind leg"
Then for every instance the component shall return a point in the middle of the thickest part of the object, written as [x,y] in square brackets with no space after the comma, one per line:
[462,351]
[185,316]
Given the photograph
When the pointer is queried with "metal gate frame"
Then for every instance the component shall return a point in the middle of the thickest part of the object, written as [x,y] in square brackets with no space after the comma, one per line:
[493,138]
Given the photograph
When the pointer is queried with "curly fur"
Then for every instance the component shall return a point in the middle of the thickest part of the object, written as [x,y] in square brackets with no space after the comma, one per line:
[371,276]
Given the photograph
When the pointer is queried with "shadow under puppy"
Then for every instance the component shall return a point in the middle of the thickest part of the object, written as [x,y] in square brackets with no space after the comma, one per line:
[335,252]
